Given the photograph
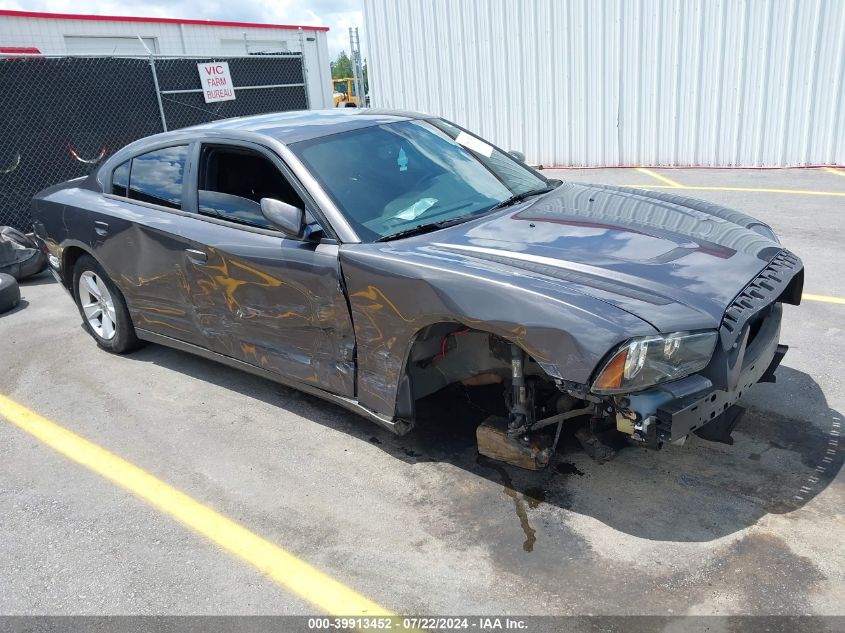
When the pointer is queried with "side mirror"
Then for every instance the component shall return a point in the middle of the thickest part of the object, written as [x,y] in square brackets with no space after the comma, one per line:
[289,219]
[517,155]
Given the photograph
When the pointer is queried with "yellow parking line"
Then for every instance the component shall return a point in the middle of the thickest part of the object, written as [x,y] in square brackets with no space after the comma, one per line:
[835,171]
[654,174]
[295,575]
[803,192]
[826,298]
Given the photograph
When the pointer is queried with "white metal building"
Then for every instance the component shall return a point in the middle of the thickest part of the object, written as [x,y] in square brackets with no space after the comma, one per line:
[622,82]
[63,34]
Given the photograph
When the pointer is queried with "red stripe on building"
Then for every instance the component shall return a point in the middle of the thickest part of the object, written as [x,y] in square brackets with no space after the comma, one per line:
[20,50]
[116,18]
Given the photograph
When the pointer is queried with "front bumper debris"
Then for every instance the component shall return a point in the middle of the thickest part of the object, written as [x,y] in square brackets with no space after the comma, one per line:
[679,418]
[670,412]
[720,428]
[749,352]
[531,452]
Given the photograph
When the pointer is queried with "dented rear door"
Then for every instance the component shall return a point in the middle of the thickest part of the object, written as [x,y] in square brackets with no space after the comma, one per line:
[143,253]
[135,233]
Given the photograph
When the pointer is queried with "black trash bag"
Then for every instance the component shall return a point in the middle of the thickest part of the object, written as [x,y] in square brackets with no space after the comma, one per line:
[27,241]
[20,256]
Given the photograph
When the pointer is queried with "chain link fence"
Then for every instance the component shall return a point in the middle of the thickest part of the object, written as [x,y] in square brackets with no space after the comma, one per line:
[62,116]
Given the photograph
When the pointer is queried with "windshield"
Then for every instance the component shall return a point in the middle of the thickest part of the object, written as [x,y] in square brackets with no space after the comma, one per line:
[389,178]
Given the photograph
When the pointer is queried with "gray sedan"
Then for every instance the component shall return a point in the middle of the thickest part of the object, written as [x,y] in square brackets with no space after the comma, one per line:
[373,258]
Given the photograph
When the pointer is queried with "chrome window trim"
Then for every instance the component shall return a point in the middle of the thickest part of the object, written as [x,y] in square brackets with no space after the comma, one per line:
[213,220]
[336,221]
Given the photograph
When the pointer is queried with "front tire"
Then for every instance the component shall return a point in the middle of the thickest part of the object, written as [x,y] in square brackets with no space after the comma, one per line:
[101,305]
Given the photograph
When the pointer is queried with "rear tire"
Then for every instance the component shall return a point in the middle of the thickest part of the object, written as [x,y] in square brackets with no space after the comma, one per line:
[102,307]
[10,293]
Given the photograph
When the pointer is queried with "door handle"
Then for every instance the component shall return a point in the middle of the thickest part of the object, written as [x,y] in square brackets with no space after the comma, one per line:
[101,228]
[198,257]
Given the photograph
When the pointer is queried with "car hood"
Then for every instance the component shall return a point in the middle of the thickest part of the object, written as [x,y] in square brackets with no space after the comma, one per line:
[674,262]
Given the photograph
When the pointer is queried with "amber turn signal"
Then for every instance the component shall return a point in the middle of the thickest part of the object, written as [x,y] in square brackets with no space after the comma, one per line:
[611,376]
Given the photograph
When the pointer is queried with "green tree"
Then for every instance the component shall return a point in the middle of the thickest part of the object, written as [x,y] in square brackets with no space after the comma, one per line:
[342,66]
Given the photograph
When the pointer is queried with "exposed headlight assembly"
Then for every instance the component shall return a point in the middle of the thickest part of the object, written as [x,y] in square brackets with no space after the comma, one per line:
[650,360]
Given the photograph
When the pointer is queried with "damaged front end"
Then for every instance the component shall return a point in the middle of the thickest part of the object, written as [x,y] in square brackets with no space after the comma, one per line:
[745,351]
[556,373]
[659,389]
[531,406]
[517,440]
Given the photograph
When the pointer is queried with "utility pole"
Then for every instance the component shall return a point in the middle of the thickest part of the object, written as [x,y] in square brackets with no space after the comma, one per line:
[357,68]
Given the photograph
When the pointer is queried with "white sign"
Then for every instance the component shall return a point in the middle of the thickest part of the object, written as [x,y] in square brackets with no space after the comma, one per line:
[475,144]
[216,82]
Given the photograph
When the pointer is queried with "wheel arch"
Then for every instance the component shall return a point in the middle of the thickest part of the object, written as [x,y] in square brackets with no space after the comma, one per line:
[435,335]
[71,252]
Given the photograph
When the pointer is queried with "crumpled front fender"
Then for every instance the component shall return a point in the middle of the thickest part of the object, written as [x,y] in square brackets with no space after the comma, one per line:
[396,292]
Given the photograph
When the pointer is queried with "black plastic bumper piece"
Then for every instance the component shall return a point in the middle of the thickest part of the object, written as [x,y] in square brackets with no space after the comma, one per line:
[721,427]
[752,362]
[769,375]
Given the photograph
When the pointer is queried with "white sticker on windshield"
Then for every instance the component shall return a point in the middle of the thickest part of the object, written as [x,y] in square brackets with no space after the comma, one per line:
[416,209]
[402,160]
[475,144]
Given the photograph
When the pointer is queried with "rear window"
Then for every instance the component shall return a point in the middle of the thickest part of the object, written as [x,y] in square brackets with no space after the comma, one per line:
[156,177]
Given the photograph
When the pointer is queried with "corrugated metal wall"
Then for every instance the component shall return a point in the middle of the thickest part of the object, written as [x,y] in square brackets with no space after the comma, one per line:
[622,82]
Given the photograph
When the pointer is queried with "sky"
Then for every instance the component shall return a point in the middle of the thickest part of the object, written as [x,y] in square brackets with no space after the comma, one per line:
[338,15]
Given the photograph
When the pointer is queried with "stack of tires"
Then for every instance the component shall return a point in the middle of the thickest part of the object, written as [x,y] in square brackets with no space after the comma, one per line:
[20,258]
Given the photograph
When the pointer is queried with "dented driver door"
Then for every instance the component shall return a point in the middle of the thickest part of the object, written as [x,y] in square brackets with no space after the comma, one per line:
[271,301]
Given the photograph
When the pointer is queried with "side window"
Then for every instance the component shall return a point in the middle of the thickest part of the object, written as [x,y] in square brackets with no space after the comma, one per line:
[232,182]
[120,180]
[156,176]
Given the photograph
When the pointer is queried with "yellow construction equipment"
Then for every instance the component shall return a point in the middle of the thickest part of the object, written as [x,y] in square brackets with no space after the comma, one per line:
[344,93]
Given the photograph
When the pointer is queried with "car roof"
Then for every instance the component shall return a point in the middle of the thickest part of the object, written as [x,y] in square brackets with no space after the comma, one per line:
[302,125]
[284,127]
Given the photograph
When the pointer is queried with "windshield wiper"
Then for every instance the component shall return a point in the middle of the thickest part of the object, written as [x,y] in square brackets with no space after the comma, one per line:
[519,197]
[419,229]
[428,227]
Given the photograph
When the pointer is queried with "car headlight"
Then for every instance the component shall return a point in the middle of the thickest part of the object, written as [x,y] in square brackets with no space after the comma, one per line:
[650,360]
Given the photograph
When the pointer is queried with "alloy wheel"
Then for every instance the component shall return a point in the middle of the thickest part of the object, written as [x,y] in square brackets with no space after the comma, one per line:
[97,305]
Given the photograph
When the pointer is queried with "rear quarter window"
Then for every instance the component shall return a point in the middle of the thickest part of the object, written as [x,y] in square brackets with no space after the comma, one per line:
[120,180]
